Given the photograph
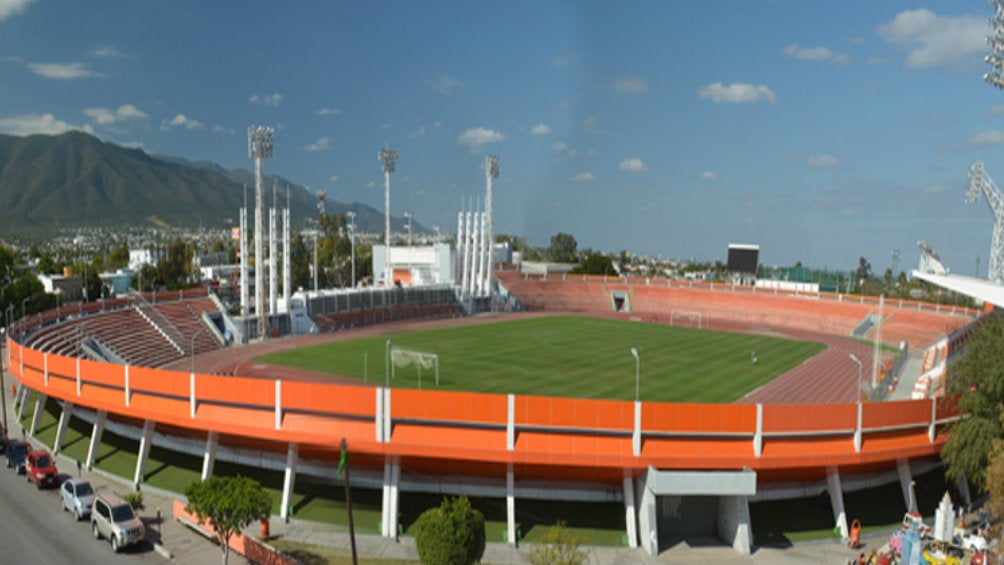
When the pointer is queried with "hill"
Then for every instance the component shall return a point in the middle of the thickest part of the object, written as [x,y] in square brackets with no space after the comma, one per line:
[76,180]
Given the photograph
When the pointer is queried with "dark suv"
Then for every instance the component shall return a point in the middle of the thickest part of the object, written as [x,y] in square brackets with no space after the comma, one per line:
[16,452]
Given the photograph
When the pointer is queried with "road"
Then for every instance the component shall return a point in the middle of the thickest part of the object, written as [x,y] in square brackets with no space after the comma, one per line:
[35,530]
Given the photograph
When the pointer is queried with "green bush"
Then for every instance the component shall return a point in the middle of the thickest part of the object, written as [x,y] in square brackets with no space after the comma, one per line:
[559,547]
[135,499]
[453,534]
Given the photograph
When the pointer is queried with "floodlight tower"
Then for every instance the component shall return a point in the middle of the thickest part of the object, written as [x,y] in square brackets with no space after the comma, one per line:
[491,173]
[389,159]
[260,147]
[979,182]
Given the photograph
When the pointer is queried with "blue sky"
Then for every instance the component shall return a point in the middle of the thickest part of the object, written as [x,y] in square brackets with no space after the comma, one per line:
[822,131]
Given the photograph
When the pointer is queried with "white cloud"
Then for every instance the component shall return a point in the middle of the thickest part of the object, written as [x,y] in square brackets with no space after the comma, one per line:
[320,145]
[633,165]
[988,137]
[443,84]
[273,99]
[737,93]
[333,178]
[822,161]
[419,132]
[62,71]
[34,123]
[106,52]
[558,146]
[997,110]
[328,112]
[476,137]
[104,116]
[709,176]
[796,51]
[9,8]
[584,176]
[630,84]
[936,41]
[181,120]
[540,129]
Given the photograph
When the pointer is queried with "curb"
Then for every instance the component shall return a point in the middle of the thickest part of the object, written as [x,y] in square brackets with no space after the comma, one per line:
[163,551]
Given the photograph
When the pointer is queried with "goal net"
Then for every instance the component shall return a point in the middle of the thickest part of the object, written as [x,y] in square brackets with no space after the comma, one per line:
[403,358]
[686,318]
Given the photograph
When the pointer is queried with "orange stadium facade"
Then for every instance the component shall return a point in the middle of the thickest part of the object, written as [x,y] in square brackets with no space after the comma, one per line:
[647,455]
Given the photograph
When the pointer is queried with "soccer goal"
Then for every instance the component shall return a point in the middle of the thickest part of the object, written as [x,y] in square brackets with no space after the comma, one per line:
[403,358]
[686,318]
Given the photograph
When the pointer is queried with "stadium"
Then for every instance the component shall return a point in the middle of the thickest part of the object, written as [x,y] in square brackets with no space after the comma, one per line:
[159,368]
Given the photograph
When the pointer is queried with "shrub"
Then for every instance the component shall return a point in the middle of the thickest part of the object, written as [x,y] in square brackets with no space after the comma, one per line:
[453,534]
[135,500]
[559,547]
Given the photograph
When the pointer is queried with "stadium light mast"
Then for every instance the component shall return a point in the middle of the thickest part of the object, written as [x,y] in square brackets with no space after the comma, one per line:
[491,173]
[978,179]
[389,159]
[352,242]
[260,147]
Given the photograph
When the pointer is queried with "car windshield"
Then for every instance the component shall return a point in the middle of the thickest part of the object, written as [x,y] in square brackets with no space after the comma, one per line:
[84,489]
[122,513]
[42,462]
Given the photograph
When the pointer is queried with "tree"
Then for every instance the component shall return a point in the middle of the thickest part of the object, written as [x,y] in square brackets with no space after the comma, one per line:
[227,505]
[595,264]
[979,380]
[559,547]
[563,248]
[863,272]
[452,534]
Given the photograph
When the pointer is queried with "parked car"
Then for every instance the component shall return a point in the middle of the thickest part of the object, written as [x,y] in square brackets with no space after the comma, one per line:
[16,452]
[78,496]
[113,518]
[40,468]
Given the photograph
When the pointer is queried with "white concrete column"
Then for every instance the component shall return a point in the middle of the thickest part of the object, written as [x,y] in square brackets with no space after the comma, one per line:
[144,451]
[385,530]
[96,432]
[395,496]
[837,501]
[857,430]
[379,414]
[648,521]
[932,428]
[636,434]
[387,422]
[292,456]
[39,408]
[510,505]
[905,478]
[78,376]
[22,391]
[278,398]
[209,457]
[64,419]
[45,370]
[734,523]
[191,396]
[126,387]
[758,434]
[630,517]
[510,427]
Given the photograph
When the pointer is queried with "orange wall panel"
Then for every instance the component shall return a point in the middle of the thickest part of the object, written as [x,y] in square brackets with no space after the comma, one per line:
[809,417]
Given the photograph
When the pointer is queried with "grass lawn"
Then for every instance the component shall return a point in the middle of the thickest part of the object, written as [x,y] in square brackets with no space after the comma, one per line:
[569,356]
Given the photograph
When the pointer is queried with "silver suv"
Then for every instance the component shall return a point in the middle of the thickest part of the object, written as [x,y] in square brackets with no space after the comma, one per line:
[113,518]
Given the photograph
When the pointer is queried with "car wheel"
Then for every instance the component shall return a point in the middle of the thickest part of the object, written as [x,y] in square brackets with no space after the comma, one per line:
[115,544]
[62,502]
[97,532]
[76,514]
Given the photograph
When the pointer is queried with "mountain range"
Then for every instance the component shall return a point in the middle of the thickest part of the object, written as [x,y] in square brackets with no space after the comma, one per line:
[75,180]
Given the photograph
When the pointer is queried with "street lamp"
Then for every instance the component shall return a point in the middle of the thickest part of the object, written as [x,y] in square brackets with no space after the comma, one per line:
[637,372]
[192,349]
[408,215]
[352,241]
[23,302]
[913,497]
[860,370]
[389,159]
[386,368]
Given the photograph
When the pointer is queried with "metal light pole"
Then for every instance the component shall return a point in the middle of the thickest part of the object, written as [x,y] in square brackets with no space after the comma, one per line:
[637,373]
[386,368]
[23,315]
[860,370]
[491,173]
[352,242]
[389,158]
[260,147]
[408,215]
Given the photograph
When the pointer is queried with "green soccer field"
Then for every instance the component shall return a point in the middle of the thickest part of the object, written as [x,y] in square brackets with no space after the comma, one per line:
[568,356]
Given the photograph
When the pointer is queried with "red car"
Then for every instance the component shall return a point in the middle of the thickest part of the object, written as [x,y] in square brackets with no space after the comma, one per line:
[40,468]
